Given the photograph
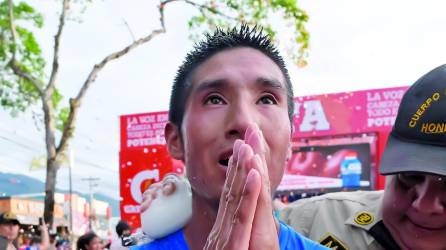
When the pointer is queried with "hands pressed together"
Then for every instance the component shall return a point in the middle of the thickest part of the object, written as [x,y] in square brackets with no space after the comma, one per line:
[245,217]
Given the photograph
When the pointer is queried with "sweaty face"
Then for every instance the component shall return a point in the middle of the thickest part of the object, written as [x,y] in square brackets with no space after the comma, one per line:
[9,230]
[232,89]
[414,211]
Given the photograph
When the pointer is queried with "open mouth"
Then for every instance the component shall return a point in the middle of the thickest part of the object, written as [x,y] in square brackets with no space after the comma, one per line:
[224,158]
[224,162]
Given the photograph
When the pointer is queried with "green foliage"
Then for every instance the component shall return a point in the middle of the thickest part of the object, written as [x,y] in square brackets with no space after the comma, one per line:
[62,118]
[17,94]
[227,13]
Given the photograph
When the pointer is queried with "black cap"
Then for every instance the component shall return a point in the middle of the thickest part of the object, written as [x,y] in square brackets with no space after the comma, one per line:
[418,139]
[121,227]
[9,217]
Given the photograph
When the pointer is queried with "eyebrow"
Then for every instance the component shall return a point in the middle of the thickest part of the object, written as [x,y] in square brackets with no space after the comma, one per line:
[222,83]
[270,83]
[213,84]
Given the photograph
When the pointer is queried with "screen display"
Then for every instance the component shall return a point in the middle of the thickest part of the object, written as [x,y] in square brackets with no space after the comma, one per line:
[328,168]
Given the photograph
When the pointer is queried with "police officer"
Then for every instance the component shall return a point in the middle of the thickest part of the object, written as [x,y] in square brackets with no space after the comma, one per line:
[9,230]
[411,212]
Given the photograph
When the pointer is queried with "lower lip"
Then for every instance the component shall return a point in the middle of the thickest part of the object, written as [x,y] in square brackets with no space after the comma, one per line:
[223,166]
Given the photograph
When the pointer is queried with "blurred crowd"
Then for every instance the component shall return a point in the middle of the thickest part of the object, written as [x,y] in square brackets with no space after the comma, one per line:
[14,236]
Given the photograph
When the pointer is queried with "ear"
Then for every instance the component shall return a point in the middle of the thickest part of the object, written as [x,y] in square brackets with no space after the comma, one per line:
[173,141]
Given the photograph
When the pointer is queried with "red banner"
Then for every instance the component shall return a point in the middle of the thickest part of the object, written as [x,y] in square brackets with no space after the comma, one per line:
[144,160]
[346,113]
[142,130]
[138,169]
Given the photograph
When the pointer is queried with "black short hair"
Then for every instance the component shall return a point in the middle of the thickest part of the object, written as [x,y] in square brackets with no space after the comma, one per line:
[218,41]
[121,227]
[84,240]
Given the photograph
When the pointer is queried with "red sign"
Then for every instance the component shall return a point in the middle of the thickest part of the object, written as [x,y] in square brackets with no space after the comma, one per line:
[144,160]
[347,113]
[140,168]
[142,130]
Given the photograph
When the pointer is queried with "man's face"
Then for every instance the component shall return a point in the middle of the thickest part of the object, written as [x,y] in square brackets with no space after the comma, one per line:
[9,230]
[414,210]
[232,89]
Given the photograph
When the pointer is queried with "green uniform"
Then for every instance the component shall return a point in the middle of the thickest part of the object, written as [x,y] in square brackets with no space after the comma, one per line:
[343,220]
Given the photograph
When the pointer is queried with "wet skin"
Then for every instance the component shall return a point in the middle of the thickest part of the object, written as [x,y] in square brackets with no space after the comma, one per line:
[414,211]
[231,91]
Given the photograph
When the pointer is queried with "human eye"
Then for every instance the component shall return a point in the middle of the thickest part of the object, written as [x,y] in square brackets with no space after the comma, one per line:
[267,99]
[214,99]
[410,179]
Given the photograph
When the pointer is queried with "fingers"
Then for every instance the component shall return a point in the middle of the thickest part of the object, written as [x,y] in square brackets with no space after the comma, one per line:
[168,186]
[236,232]
[263,232]
[234,183]
[231,196]
[242,222]
[149,195]
[254,137]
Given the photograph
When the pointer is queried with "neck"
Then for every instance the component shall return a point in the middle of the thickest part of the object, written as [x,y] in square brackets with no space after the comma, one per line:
[197,230]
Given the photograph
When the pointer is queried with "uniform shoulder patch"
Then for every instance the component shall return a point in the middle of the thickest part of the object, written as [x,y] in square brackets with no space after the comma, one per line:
[364,218]
[332,242]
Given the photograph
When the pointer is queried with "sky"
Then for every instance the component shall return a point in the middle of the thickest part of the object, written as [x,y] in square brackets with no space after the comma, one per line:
[355,45]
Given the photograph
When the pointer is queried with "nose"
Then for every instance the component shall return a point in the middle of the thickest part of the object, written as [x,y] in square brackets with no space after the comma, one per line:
[428,198]
[237,120]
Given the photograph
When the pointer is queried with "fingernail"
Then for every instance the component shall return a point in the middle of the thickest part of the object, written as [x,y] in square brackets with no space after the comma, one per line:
[236,148]
[251,175]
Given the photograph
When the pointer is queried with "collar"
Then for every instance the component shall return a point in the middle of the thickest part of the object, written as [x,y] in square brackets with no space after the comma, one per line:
[366,217]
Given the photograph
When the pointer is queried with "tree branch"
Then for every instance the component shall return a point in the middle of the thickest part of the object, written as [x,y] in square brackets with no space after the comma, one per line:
[55,69]
[20,73]
[12,27]
[75,103]
[13,63]
[201,7]
[130,30]
[69,126]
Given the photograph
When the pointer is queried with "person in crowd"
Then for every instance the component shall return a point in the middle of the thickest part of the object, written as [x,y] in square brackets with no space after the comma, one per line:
[42,241]
[63,239]
[89,241]
[123,229]
[410,213]
[9,230]
[230,123]
[53,241]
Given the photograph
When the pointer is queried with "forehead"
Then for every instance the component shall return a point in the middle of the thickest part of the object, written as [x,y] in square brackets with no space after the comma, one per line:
[238,65]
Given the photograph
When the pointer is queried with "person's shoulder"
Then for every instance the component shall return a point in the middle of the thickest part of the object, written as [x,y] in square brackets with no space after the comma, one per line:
[173,241]
[290,239]
[3,242]
[361,197]
[302,213]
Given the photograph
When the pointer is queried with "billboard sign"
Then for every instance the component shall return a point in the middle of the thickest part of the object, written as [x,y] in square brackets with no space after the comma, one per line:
[143,160]
[346,113]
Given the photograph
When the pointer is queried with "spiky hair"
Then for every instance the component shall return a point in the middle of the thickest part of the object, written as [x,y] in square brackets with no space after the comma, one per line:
[216,42]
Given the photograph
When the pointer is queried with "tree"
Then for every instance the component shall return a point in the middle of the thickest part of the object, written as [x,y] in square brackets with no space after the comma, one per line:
[23,81]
